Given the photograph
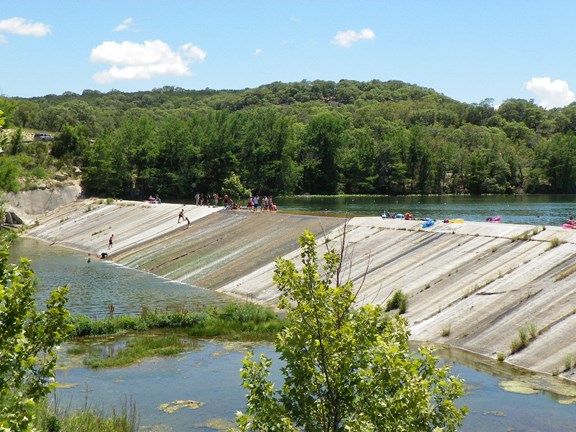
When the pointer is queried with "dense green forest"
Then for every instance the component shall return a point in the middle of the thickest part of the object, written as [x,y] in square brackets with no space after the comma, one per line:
[317,137]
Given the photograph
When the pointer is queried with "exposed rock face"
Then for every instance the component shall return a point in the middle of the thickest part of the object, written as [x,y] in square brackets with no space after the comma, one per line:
[471,285]
[27,206]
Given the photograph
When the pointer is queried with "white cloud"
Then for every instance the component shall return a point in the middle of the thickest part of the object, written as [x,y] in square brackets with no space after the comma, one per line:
[132,61]
[124,25]
[192,52]
[551,94]
[258,51]
[347,38]
[20,26]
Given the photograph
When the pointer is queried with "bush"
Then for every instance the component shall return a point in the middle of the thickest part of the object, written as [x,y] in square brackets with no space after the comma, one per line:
[398,301]
[174,319]
[245,312]
[525,336]
[231,319]
[345,368]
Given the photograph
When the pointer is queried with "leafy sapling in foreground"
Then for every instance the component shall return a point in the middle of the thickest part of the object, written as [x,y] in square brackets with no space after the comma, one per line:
[28,339]
[344,368]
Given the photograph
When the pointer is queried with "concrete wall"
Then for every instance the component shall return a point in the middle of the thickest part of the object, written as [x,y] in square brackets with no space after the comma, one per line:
[471,285]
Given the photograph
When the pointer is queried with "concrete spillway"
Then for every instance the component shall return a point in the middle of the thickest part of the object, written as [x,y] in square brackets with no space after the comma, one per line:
[471,285]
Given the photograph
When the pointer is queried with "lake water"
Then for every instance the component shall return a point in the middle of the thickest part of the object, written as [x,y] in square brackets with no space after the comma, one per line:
[518,209]
[210,372]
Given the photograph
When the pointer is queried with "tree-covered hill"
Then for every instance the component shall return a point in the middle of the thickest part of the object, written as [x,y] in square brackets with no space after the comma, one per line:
[318,137]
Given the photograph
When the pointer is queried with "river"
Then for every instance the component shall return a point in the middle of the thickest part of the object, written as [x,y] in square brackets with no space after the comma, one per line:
[517,209]
[210,372]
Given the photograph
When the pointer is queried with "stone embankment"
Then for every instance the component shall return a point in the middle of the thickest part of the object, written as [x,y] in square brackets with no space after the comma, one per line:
[474,285]
[26,206]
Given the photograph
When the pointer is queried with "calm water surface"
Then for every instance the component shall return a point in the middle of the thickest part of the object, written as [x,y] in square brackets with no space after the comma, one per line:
[518,209]
[210,373]
[95,285]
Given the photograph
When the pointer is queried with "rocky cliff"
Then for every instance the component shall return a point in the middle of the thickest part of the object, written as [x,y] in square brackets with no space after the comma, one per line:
[27,206]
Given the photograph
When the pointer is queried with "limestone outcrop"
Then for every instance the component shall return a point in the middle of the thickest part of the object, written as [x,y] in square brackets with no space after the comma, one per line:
[26,206]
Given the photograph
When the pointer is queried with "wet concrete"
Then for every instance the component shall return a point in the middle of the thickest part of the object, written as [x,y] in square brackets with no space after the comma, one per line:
[471,285]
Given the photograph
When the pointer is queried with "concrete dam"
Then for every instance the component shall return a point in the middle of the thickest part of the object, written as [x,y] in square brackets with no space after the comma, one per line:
[473,285]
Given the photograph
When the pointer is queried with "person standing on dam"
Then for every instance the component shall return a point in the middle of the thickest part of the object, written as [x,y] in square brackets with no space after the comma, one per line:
[110,241]
[181,215]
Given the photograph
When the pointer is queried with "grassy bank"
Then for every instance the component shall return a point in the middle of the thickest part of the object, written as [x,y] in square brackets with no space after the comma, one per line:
[149,334]
[235,320]
[51,417]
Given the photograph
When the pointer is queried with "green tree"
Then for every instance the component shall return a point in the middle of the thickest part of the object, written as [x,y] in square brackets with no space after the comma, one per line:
[10,171]
[322,141]
[519,110]
[476,171]
[265,136]
[419,161]
[17,142]
[28,339]
[233,187]
[219,148]
[392,171]
[559,163]
[174,159]
[106,171]
[345,369]
[72,143]
[356,162]
[478,114]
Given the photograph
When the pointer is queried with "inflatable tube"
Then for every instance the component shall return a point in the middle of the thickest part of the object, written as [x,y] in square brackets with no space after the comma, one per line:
[456,220]
[399,216]
[428,223]
[493,219]
[569,226]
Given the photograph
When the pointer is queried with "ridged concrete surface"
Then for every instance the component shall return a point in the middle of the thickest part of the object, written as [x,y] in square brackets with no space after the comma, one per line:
[471,285]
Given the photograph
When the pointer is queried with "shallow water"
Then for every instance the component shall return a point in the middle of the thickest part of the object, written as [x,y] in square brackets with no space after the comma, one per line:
[209,374]
[97,284]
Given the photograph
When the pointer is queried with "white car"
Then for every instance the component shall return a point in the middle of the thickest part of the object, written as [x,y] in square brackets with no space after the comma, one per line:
[43,137]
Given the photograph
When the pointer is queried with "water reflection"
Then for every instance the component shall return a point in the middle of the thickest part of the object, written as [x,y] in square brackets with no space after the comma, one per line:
[520,209]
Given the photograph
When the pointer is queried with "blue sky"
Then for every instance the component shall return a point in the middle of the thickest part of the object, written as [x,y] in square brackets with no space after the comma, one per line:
[469,50]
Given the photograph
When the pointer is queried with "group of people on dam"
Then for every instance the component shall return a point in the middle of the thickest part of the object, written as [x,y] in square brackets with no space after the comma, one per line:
[253,203]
